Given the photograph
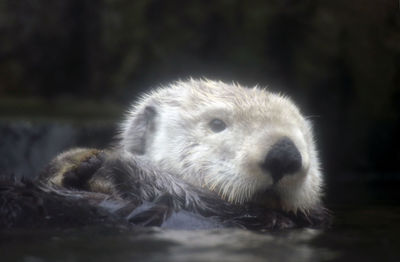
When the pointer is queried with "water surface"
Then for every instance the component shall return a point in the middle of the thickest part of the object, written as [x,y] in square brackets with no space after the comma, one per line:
[367,233]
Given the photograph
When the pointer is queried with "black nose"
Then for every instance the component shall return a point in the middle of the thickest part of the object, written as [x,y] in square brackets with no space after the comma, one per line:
[282,159]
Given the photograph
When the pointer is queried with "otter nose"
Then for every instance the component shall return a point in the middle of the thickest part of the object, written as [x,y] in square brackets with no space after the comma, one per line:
[282,159]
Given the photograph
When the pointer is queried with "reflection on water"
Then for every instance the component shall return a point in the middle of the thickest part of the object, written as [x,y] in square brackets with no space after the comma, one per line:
[157,245]
[363,233]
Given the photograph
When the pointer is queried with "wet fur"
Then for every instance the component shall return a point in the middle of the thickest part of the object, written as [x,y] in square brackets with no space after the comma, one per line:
[157,200]
[123,185]
[169,128]
[141,197]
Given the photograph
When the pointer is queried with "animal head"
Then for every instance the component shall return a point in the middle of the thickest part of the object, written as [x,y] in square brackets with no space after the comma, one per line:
[246,144]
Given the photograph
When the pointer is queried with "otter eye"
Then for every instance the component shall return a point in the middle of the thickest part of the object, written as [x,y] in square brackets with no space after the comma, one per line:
[217,125]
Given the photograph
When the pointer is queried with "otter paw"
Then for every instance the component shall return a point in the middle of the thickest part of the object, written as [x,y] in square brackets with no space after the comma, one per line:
[79,176]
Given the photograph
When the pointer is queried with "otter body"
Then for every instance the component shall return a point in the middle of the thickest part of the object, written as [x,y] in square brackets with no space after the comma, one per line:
[210,152]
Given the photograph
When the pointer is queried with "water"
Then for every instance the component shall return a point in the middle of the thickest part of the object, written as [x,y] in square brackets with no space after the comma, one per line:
[363,233]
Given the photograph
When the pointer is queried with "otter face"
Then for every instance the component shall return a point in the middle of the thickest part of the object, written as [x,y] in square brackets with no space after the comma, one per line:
[247,145]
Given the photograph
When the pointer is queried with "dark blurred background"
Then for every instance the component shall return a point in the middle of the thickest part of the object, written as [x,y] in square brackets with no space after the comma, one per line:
[85,60]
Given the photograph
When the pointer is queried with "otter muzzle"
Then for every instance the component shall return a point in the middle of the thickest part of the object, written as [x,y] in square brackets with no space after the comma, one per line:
[282,159]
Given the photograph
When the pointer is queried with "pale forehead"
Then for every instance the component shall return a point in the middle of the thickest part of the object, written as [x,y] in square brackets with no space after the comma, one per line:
[205,94]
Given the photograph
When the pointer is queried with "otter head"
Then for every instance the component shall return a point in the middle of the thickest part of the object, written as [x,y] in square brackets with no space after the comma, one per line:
[247,145]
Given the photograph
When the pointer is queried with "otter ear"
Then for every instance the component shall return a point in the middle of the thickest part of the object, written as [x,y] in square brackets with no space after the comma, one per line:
[140,130]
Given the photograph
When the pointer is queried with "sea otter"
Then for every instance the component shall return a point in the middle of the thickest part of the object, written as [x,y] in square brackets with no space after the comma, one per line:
[216,153]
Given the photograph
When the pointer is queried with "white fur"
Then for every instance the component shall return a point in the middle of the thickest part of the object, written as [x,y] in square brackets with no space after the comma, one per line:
[228,162]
